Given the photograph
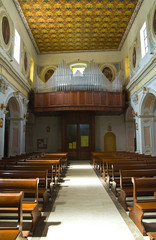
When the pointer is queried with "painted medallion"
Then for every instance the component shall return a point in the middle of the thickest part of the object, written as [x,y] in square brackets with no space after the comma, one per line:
[108,73]
[48,74]
[25,61]
[134,57]
[5,30]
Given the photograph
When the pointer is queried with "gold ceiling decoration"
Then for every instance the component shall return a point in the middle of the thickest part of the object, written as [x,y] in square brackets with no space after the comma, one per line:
[70,25]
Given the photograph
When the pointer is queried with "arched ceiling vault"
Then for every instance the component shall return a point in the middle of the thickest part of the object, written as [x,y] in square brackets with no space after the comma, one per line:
[71,25]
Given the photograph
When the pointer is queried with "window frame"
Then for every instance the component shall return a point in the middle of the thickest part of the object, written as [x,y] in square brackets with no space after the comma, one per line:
[144,40]
[17,46]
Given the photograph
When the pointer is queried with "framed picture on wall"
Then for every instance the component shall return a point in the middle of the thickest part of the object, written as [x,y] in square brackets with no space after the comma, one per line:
[42,143]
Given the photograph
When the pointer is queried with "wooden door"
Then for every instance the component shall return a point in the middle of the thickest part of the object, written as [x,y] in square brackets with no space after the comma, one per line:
[78,134]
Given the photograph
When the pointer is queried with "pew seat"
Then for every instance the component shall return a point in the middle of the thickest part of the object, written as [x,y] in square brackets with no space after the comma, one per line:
[152,235]
[143,206]
[10,201]
[28,206]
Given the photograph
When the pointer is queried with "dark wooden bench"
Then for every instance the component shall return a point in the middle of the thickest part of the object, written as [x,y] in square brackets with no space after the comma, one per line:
[119,154]
[28,207]
[111,171]
[10,201]
[63,156]
[140,207]
[43,181]
[115,184]
[126,186]
[31,167]
[55,165]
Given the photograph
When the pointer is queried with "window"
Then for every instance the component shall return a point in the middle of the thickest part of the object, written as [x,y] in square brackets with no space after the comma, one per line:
[127,72]
[78,67]
[17,46]
[143,37]
[32,70]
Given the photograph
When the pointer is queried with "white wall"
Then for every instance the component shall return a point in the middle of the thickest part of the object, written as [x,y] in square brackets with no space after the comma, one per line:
[54,137]
[118,128]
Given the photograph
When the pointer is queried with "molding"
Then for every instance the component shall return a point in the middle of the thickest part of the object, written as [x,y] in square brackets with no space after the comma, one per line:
[21,14]
[15,119]
[14,74]
[141,75]
[146,116]
[130,23]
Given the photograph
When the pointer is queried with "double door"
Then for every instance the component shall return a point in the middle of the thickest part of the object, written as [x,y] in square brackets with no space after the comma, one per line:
[79,135]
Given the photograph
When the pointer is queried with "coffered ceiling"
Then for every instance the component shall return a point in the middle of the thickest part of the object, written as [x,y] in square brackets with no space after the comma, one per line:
[71,25]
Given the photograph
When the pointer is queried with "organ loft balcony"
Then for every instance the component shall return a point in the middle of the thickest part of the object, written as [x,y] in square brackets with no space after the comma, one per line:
[90,91]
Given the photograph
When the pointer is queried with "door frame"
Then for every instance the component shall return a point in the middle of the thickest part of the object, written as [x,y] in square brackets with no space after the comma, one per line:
[79,117]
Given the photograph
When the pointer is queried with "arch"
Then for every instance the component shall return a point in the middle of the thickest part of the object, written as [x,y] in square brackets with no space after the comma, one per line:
[14,104]
[147,110]
[109,142]
[14,108]
[144,98]
[12,140]
[129,114]
[147,104]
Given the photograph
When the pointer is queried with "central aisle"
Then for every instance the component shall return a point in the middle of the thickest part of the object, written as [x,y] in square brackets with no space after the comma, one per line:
[84,210]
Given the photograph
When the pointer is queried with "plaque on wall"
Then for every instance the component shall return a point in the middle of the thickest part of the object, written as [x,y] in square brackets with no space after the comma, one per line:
[25,61]
[42,143]
[154,22]
[134,57]
[48,74]
[5,30]
[108,73]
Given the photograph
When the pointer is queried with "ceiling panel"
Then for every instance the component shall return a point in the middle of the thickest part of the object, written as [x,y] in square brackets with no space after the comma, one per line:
[70,25]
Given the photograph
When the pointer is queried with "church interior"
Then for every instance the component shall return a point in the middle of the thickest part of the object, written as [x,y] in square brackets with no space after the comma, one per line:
[78,108]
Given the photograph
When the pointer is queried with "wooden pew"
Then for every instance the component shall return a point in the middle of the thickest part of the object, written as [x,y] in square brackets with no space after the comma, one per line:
[109,167]
[27,186]
[55,164]
[152,235]
[9,201]
[118,154]
[140,207]
[31,167]
[125,166]
[45,164]
[63,156]
[43,181]
[126,186]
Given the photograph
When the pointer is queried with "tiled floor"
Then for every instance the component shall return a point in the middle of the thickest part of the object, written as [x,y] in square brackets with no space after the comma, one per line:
[83,209]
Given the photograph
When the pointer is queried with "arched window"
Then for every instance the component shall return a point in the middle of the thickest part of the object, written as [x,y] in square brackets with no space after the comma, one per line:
[78,68]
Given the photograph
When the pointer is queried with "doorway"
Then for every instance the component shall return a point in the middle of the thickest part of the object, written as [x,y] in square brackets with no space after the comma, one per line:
[109,142]
[78,135]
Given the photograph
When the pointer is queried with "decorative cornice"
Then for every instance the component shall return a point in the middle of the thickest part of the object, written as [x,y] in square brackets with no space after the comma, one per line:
[21,14]
[15,75]
[130,23]
[141,75]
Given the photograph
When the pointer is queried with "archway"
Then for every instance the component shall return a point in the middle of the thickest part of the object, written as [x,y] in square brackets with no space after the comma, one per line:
[12,128]
[148,125]
[109,142]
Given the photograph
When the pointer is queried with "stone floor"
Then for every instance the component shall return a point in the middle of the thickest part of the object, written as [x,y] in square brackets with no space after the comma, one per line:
[85,209]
